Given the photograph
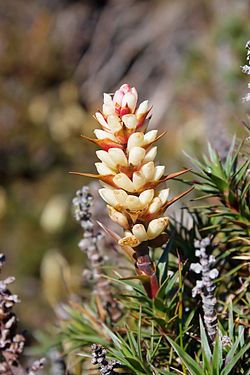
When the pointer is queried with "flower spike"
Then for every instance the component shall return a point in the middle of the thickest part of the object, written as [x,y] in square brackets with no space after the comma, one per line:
[127,170]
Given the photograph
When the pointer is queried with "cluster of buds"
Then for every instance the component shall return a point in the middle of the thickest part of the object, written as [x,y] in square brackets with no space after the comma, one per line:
[128,172]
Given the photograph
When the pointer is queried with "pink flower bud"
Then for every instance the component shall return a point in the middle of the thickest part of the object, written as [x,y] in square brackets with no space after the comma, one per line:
[117,99]
[125,97]
[125,88]
[129,100]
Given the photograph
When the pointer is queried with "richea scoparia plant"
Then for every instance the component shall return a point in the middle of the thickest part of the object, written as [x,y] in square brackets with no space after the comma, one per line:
[164,295]
[132,181]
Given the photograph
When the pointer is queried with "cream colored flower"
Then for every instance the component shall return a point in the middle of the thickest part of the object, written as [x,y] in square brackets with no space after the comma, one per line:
[127,168]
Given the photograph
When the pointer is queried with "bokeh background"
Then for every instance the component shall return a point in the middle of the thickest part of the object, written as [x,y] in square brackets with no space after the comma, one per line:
[57,57]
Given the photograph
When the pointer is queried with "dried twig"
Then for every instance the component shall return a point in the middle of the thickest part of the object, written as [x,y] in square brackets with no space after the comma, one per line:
[90,244]
[11,342]
[205,287]
[99,358]
[246,70]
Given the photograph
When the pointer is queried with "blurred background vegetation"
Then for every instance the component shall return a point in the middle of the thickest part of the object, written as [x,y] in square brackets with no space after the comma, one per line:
[57,58]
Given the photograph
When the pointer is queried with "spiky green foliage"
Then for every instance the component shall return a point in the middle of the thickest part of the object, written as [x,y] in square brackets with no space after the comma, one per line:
[226,186]
[222,211]
[139,341]
[218,359]
[153,335]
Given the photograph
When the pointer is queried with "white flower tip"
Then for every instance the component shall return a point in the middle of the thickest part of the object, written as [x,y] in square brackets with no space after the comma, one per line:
[133,203]
[163,195]
[101,119]
[140,232]
[108,196]
[105,158]
[155,205]
[114,123]
[143,108]
[151,154]
[150,136]
[138,180]
[129,100]
[103,169]
[118,217]
[156,227]
[148,170]
[107,99]
[120,196]
[108,109]
[130,121]
[136,155]
[101,134]
[146,196]
[118,156]
[159,171]
[123,182]
[197,253]
[134,92]
[135,139]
